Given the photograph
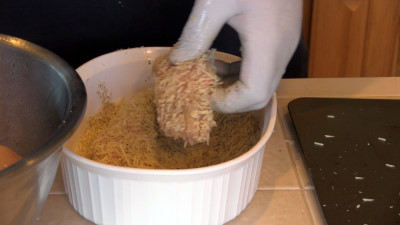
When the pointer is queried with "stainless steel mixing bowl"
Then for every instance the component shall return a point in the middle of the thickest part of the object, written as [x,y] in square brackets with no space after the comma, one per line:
[42,100]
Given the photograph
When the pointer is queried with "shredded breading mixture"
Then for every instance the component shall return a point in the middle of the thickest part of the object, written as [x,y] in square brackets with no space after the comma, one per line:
[182,98]
[126,134]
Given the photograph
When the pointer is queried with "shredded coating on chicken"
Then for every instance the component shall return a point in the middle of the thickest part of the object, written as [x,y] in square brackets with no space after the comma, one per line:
[182,98]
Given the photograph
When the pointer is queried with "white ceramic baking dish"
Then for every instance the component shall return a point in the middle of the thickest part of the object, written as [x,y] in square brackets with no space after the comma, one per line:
[106,194]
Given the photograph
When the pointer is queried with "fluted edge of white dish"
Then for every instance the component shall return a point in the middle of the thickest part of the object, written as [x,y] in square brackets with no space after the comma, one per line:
[210,200]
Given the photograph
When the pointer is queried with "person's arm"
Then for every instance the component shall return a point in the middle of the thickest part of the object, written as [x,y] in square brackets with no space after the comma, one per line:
[269,32]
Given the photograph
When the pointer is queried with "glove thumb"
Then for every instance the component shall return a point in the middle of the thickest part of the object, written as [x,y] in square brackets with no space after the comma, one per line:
[204,23]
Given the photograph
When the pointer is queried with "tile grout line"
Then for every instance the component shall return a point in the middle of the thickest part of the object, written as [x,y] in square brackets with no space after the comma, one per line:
[57,193]
[279,189]
[301,188]
[288,148]
[281,118]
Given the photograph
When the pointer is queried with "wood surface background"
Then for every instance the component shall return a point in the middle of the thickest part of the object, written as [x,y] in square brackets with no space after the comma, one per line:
[352,38]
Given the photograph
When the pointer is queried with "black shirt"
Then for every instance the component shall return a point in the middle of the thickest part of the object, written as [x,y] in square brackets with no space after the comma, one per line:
[79,30]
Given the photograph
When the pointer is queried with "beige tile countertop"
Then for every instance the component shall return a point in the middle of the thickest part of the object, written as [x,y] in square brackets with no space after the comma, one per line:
[285,193]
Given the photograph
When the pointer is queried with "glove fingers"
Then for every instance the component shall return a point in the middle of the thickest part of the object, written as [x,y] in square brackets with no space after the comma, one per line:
[204,23]
[269,38]
[238,98]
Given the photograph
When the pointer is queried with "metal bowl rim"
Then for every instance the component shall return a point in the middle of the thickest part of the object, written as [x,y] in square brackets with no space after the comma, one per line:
[76,107]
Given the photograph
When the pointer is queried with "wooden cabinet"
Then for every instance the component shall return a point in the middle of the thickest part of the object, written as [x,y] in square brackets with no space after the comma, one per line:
[352,38]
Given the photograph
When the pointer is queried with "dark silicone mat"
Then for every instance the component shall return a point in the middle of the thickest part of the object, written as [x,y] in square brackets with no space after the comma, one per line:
[356,168]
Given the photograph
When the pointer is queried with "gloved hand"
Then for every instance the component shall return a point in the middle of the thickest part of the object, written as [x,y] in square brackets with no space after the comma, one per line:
[269,31]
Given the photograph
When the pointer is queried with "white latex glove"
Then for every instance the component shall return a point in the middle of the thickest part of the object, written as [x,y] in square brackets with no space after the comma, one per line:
[269,31]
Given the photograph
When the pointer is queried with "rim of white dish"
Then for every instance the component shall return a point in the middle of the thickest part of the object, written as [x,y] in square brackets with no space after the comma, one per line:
[190,171]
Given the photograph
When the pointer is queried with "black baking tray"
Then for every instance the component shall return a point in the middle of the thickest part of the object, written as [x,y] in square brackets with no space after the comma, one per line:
[352,150]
